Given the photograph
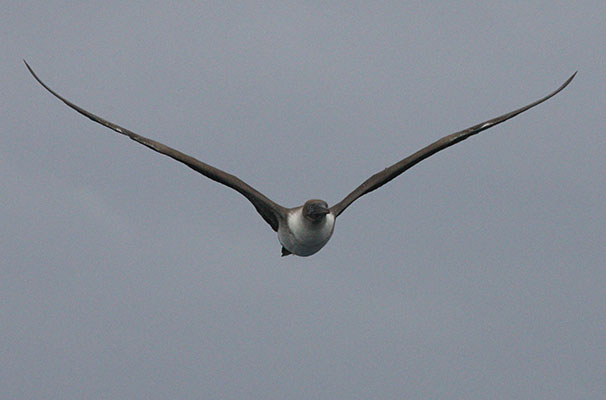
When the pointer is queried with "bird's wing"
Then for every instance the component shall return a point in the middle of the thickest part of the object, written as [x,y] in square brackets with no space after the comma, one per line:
[381,178]
[270,211]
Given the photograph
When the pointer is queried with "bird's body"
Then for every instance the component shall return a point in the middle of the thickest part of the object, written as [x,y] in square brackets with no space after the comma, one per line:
[306,229]
[302,236]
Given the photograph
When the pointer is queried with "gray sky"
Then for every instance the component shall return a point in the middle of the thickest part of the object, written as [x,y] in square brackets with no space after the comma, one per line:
[477,274]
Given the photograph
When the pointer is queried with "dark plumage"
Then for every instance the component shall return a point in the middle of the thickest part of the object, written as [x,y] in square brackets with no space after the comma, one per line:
[306,229]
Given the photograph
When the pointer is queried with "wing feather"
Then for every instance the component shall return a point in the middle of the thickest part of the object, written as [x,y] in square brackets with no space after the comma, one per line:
[270,211]
[381,178]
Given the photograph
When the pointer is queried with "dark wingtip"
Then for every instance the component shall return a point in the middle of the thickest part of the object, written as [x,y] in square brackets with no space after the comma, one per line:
[558,90]
[569,80]
[57,95]
[28,67]
[31,71]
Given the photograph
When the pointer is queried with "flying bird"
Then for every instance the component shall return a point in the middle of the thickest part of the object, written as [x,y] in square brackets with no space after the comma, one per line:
[302,230]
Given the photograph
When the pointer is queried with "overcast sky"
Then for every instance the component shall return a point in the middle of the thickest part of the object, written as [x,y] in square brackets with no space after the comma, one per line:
[478,274]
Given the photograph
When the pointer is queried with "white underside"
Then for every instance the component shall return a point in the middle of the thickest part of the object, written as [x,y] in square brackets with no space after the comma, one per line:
[303,238]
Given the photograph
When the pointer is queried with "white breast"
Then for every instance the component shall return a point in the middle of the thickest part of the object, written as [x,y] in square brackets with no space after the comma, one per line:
[304,238]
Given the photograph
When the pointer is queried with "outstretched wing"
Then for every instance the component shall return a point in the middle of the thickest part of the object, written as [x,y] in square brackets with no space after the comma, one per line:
[381,178]
[270,211]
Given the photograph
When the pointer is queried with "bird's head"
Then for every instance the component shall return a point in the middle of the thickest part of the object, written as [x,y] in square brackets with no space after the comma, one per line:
[315,210]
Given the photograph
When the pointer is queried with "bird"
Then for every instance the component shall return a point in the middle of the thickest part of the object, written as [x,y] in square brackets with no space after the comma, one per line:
[305,229]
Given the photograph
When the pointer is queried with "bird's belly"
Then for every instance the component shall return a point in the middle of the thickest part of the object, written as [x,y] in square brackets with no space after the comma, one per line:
[302,246]
[303,240]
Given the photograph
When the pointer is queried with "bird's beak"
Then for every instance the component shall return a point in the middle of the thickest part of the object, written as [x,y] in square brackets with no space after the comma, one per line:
[321,210]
